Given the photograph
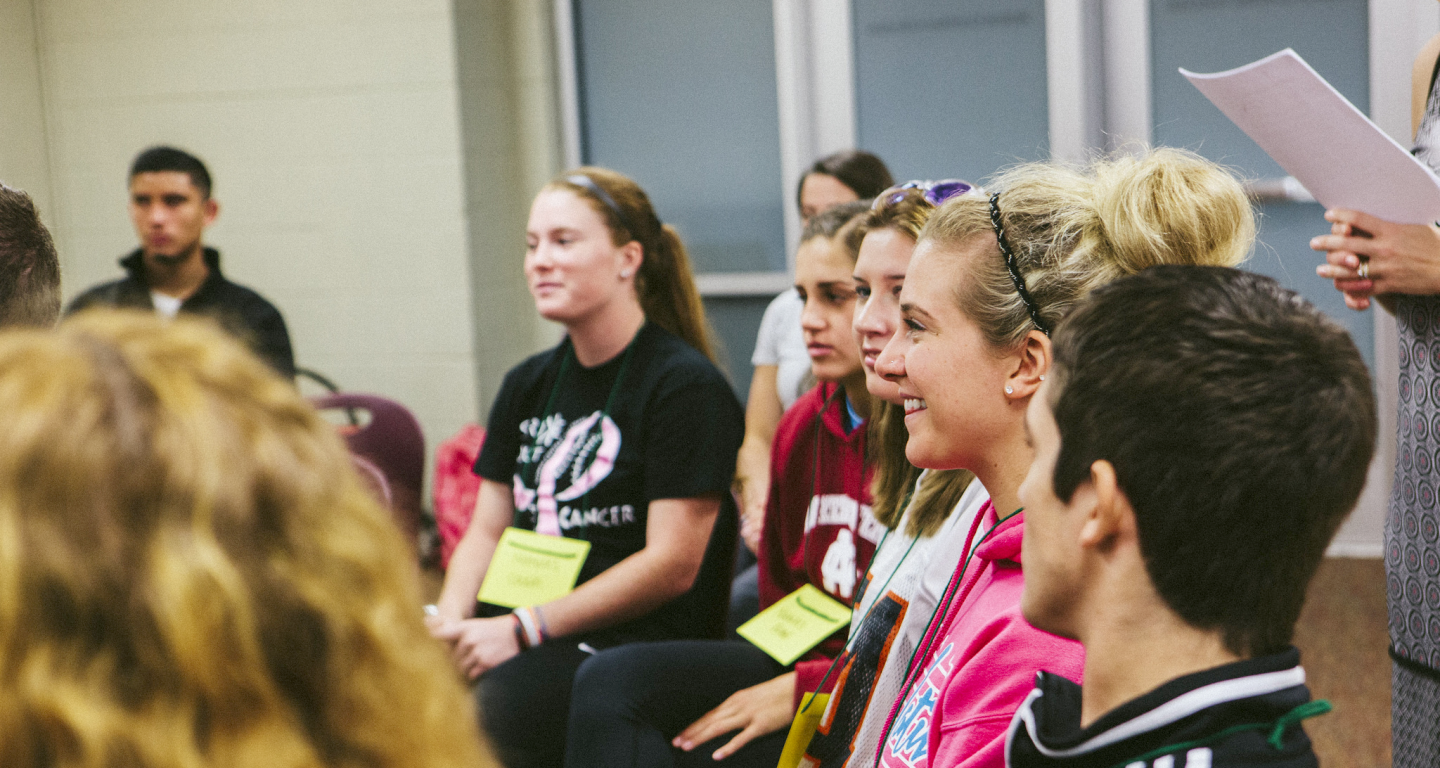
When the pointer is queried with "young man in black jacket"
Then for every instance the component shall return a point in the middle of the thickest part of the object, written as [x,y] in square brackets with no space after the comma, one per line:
[172,271]
[1202,435]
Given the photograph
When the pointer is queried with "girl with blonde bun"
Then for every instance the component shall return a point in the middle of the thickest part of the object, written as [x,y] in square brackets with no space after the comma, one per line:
[191,574]
[988,281]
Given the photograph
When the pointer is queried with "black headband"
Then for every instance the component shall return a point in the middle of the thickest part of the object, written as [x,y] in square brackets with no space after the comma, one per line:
[1012,267]
[581,180]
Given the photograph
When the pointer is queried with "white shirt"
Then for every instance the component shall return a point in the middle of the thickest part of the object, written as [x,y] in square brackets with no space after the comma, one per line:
[781,343]
[166,306]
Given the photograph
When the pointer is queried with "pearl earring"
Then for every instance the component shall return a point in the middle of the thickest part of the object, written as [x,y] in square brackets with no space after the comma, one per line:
[1042,377]
[624,273]
[1009,390]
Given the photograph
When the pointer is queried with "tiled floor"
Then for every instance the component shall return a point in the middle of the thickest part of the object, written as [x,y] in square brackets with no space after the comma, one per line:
[1342,640]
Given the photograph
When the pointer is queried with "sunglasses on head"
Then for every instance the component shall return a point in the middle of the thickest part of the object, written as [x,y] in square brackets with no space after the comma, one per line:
[934,192]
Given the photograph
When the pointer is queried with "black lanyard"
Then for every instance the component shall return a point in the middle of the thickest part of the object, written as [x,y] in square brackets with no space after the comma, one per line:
[549,410]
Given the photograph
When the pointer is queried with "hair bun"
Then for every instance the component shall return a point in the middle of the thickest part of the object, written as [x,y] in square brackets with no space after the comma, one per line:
[1171,206]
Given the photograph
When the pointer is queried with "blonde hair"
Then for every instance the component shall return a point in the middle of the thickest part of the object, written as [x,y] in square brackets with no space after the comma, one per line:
[665,282]
[191,574]
[906,215]
[1072,230]
[894,476]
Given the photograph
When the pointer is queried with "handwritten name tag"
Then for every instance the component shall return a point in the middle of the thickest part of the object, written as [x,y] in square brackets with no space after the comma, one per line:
[802,729]
[530,568]
[795,624]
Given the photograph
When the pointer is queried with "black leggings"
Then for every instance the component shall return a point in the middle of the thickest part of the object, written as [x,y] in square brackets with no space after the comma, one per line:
[629,702]
[525,702]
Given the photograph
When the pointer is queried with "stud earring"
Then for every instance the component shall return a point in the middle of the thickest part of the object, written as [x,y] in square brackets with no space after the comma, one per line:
[1042,377]
[1009,390]
[624,273]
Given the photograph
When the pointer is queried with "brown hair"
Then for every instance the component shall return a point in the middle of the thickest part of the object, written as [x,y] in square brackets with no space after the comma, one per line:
[1240,423]
[895,476]
[665,283]
[907,215]
[862,172]
[29,266]
[838,223]
[191,573]
[1072,230]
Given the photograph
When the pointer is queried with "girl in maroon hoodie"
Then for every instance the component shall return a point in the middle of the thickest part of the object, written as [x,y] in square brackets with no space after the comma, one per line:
[644,703]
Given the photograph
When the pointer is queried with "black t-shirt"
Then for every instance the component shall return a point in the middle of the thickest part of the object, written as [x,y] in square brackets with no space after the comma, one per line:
[671,431]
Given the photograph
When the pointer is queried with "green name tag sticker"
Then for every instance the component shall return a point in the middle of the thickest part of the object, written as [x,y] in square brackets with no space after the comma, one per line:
[531,568]
[795,624]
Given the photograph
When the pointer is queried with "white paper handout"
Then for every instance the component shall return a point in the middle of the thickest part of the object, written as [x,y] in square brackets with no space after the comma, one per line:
[1321,139]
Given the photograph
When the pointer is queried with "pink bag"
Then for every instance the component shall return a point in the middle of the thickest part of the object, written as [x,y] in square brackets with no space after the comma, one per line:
[456,486]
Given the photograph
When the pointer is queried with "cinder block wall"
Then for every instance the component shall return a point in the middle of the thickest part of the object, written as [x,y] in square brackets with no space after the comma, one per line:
[24,155]
[334,134]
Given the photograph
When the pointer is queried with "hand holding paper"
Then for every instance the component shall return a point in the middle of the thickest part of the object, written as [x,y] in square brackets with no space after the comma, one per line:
[1398,258]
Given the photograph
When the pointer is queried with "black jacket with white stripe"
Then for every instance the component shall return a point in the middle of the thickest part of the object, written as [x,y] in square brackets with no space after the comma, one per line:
[1243,714]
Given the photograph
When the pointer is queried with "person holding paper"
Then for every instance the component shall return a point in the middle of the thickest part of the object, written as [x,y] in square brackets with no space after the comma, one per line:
[928,513]
[1399,265]
[617,446]
[645,704]
[989,280]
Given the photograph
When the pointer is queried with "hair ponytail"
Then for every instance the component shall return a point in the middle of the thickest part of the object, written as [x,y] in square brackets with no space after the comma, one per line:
[668,294]
[665,284]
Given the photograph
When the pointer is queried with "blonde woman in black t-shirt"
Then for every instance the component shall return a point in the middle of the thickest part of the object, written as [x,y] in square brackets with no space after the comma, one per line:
[624,435]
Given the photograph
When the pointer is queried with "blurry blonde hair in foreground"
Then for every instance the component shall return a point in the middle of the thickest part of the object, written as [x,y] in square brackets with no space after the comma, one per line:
[190,572]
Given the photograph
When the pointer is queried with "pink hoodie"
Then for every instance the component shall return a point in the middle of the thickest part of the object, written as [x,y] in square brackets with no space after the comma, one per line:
[980,665]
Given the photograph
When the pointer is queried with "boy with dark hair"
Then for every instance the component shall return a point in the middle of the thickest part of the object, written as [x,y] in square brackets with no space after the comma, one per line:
[173,271]
[29,266]
[161,159]
[1202,435]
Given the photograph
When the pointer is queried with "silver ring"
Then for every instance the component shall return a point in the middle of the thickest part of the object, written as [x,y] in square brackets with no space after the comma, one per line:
[1364,269]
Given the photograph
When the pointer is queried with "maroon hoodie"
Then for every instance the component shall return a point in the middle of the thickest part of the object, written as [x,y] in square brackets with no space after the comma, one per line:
[818,525]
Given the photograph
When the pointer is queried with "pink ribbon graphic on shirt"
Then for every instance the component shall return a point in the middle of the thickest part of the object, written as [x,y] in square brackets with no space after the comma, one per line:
[547,518]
